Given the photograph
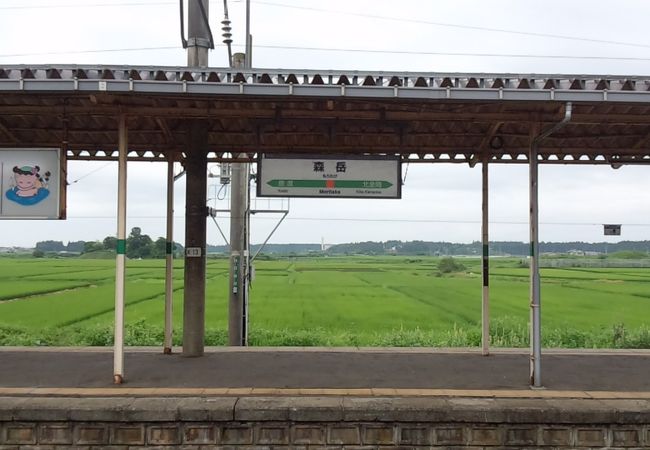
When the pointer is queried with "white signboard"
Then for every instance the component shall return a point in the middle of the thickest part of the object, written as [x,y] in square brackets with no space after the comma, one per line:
[193,252]
[612,230]
[331,176]
[30,180]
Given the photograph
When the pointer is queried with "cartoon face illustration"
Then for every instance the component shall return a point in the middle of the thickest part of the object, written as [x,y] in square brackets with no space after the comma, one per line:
[30,187]
[27,181]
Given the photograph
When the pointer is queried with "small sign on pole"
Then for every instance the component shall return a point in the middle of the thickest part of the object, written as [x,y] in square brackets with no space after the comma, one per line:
[32,183]
[193,252]
[329,176]
[612,230]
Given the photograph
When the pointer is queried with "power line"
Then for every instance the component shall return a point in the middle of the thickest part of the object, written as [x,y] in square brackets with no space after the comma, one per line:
[353,219]
[451,25]
[348,13]
[351,50]
[91,172]
[84,5]
[483,55]
[105,50]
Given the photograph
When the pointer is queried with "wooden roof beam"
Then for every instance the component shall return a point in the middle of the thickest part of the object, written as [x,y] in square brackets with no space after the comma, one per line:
[169,137]
[643,142]
[492,131]
[8,133]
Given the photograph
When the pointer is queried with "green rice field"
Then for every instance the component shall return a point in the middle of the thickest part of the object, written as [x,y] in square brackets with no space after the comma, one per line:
[347,301]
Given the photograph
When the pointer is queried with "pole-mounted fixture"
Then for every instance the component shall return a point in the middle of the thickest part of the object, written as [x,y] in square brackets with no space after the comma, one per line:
[227,31]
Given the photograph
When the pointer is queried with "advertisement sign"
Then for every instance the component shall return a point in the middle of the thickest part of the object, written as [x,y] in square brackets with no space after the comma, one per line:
[31,184]
[330,176]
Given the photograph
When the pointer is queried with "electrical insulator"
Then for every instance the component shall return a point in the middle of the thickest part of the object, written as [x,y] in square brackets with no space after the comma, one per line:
[226,28]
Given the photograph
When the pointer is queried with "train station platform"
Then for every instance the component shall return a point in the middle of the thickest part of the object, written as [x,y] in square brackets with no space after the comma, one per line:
[298,370]
[334,398]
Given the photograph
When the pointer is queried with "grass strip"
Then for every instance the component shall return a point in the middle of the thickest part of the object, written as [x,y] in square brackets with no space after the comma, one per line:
[503,333]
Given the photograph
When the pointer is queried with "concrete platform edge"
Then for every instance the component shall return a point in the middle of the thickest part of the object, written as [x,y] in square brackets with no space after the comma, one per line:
[326,409]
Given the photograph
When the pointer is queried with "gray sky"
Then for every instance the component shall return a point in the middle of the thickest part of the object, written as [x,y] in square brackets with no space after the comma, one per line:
[440,202]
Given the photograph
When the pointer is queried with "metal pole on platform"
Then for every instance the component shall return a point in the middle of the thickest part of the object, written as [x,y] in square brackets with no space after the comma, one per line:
[120,267]
[485,303]
[169,258]
[239,257]
[535,283]
[196,215]
[249,39]
[535,301]
[199,42]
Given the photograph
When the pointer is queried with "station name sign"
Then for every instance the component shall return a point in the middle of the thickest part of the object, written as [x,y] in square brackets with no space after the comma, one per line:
[32,183]
[612,229]
[329,176]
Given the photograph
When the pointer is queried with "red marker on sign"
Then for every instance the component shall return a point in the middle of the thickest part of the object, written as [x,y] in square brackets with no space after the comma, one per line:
[329,184]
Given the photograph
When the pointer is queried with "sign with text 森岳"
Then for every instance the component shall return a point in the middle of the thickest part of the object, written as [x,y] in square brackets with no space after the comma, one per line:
[331,176]
[31,183]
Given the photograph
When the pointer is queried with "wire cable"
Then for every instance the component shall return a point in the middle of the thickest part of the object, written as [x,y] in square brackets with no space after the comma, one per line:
[206,22]
[78,52]
[85,5]
[348,13]
[406,173]
[479,55]
[352,219]
[183,40]
[91,172]
[458,26]
[352,50]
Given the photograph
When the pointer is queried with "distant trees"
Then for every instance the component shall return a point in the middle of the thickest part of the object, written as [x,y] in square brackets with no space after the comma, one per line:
[58,246]
[51,246]
[138,245]
[93,246]
[75,247]
[475,248]
[110,243]
[450,265]
[159,248]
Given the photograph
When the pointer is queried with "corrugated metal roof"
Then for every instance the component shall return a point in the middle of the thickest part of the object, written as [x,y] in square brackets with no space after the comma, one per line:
[421,116]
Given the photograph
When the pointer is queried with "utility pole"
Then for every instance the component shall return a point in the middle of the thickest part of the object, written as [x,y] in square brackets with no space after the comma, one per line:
[239,252]
[199,41]
[240,227]
[248,62]
[199,38]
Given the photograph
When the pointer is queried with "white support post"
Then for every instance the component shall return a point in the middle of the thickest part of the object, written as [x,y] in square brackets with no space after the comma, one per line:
[485,304]
[120,268]
[535,301]
[169,258]
[535,283]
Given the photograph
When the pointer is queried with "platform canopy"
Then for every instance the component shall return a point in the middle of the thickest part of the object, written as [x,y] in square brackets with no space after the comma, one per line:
[424,117]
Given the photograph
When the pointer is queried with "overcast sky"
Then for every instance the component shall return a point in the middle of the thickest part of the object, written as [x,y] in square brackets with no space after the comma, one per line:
[440,201]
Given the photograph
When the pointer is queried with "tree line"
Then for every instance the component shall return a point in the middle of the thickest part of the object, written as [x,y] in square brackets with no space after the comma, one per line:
[138,245]
[475,248]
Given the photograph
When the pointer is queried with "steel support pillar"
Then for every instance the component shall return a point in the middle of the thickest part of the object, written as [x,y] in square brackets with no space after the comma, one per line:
[535,300]
[169,258]
[535,283]
[120,254]
[485,300]
[195,239]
